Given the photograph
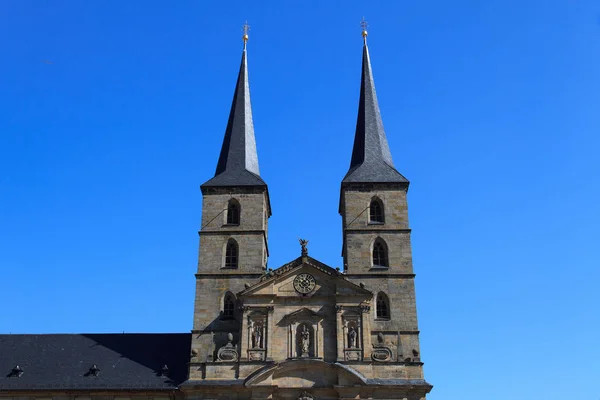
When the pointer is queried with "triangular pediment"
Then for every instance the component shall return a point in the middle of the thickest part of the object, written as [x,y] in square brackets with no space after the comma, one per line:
[328,281]
[303,312]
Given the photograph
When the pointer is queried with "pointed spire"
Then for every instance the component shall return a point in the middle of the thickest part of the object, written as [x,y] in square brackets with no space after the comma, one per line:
[238,162]
[371,158]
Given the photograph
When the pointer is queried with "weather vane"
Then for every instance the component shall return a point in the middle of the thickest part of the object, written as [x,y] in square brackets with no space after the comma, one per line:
[245,29]
[364,25]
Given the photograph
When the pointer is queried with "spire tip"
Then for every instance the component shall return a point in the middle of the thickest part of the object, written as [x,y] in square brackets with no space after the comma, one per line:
[364,25]
[245,29]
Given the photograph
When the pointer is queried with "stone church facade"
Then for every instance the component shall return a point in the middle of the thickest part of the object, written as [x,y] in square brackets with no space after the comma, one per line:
[304,330]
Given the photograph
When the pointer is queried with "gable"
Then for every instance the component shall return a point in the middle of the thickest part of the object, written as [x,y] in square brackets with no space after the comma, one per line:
[328,281]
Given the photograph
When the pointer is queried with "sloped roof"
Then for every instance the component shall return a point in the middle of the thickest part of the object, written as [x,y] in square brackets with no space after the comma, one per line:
[126,361]
[238,161]
[371,157]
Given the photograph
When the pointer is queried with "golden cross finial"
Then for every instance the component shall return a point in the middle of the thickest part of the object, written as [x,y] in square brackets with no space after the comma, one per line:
[364,25]
[245,28]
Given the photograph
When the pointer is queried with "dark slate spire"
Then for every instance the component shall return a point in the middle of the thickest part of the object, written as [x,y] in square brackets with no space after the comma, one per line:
[238,162]
[371,158]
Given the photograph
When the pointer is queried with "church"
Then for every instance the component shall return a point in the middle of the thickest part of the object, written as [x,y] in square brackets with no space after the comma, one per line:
[303,330]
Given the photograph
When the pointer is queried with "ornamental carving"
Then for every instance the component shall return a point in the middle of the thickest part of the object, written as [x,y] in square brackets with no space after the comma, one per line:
[305,396]
[257,355]
[381,354]
[228,352]
[352,354]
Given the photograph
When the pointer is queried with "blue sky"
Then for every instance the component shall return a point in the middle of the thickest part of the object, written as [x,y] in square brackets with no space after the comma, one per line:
[112,114]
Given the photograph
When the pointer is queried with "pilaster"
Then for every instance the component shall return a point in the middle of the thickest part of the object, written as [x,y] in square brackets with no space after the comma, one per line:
[269,334]
[340,332]
[245,334]
[366,332]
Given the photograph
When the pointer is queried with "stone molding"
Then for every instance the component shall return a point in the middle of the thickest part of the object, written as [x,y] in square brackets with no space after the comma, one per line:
[369,229]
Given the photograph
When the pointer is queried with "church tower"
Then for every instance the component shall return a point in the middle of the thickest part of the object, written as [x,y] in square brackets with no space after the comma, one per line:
[376,235]
[233,234]
[305,330]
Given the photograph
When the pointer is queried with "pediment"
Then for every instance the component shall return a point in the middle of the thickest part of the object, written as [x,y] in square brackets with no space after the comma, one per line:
[303,312]
[329,281]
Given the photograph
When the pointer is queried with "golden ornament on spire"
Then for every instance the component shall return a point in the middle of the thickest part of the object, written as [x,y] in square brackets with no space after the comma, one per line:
[245,29]
[363,25]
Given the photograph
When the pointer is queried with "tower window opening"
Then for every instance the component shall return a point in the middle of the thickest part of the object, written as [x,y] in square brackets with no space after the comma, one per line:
[231,254]
[228,306]
[383,307]
[380,258]
[233,212]
[376,212]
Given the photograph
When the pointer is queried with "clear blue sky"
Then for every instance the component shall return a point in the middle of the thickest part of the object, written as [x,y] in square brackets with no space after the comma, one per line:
[112,114]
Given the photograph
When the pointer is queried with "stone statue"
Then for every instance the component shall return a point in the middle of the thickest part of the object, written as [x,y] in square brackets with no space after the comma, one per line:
[257,336]
[303,244]
[305,341]
[352,337]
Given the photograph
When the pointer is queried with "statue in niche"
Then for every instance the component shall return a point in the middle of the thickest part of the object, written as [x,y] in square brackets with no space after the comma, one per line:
[352,337]
[257,337]
[305,341]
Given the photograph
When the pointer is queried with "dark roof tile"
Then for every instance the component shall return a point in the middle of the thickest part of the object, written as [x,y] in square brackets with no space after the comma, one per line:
[64,361]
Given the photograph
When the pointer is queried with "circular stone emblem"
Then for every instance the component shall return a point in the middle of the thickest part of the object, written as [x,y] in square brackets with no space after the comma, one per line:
[304,283]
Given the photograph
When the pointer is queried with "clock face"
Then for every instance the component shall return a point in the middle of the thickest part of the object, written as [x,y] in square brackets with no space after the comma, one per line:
[304,283]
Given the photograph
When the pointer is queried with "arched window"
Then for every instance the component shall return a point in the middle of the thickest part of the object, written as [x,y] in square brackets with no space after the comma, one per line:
[376,211]
[228,305]
[380,258]
[383,306]
[231,254]
[233,212]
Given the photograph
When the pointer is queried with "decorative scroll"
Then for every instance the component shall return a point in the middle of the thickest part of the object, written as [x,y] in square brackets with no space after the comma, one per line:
[228,352]
[381,352]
